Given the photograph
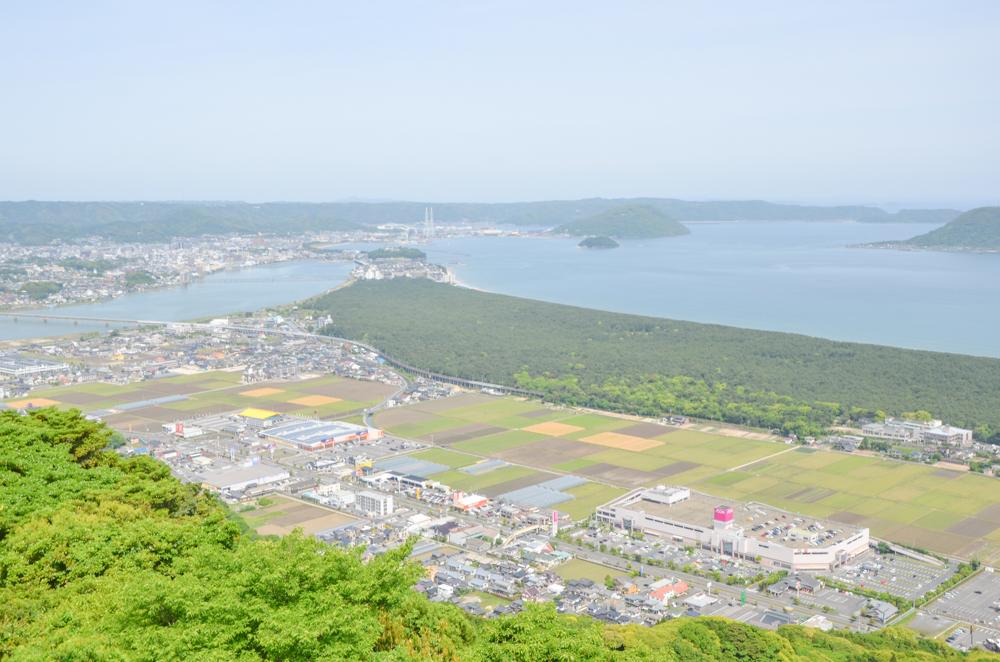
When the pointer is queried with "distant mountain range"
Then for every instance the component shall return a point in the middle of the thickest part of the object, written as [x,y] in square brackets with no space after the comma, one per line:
[42,222]
[976,229]
[625,222]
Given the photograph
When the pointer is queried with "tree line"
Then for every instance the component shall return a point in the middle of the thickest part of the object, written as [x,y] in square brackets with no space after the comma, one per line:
[655,366]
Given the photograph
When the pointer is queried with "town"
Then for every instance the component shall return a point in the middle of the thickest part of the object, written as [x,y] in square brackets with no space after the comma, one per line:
[282,424]
[97,269]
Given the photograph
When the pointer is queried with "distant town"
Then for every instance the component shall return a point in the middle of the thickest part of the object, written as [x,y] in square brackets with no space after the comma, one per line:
[96,269]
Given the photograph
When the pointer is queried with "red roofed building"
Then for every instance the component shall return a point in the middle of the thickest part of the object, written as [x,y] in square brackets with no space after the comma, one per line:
[666,589]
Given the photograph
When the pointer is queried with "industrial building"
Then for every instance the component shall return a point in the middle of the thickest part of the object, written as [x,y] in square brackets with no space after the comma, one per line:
[14,365]
[311,435]
[237,479]
[752,531]
[932,432]
[375,503]
[258,418]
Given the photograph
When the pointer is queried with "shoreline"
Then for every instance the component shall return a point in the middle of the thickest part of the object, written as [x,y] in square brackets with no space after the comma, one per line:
[913,248]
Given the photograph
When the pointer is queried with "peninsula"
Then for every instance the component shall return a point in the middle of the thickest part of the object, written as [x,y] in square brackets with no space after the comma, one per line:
[975,230]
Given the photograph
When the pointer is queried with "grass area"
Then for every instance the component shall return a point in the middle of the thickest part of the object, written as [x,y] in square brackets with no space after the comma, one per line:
[424,429]
[260,517]
[449,458]
[580,569]
[587,497]
[575,465]
[497,442]
[460,480]
[489,600]
[332,408]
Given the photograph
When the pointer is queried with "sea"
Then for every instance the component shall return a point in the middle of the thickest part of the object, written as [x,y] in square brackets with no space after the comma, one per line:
[798,277]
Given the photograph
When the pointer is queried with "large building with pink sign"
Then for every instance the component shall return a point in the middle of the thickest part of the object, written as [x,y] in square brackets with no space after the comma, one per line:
[740,530]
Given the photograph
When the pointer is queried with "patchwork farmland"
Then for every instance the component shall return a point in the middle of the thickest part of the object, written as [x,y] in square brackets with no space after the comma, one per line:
[945,511]
[145,406]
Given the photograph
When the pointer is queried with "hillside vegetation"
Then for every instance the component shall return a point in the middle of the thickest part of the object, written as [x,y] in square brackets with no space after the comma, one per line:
[109,559]
[653,366]
[33,222]
[43,222]
[977,229]
[625,222]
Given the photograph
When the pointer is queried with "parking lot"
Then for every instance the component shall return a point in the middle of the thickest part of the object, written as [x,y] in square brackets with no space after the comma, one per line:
[966,638]
[895,574]
[976,601]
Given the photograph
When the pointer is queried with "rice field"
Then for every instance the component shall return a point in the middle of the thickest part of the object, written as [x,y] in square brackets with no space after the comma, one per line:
[210,393]
[919,505]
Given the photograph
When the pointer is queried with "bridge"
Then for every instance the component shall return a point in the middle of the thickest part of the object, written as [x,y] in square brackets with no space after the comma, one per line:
[399,365]
[45,317]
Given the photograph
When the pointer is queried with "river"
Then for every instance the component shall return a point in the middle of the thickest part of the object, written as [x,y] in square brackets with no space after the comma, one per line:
[787,276]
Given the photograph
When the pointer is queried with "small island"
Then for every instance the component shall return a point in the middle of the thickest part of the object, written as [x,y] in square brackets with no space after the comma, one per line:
[397,253]
[625,222]
[600,242]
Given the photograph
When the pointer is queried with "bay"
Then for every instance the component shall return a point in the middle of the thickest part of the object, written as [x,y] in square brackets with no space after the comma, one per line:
[801,277]
[215,295]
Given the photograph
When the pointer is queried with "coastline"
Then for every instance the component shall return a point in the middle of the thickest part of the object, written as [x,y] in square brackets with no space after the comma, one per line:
[913,248]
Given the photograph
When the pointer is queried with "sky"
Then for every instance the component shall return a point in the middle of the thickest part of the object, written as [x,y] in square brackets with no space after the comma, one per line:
[893,103]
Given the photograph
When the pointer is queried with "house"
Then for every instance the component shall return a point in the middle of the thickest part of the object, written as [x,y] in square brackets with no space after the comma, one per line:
[666,589]
[699,601]
[880,610]
[798,583]
[774,619]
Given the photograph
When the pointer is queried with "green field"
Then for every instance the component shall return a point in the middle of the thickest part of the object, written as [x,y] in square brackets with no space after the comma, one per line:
[460,480]
[446,457]
[580,569]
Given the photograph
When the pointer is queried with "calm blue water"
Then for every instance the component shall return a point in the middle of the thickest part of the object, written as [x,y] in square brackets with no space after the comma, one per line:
[218,294]
[797,277]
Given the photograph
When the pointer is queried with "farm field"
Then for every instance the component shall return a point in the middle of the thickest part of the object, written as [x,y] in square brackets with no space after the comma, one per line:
[278,515]
[950,512]
[145,406]
[945,511]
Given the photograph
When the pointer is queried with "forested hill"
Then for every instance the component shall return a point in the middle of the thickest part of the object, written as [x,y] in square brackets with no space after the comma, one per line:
[977,229]
[109,559]
[625,222]
[41,222]
[652,366]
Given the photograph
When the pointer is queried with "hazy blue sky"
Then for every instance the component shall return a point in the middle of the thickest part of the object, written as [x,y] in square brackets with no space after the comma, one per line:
[809,101]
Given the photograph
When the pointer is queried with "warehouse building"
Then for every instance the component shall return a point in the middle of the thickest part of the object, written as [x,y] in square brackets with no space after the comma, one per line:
[238,479]
[14,365]
[779,539]
[258,418]
[311,435]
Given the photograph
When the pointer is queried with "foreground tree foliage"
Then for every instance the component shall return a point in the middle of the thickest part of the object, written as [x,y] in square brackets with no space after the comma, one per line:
[103,558]
[653,366]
